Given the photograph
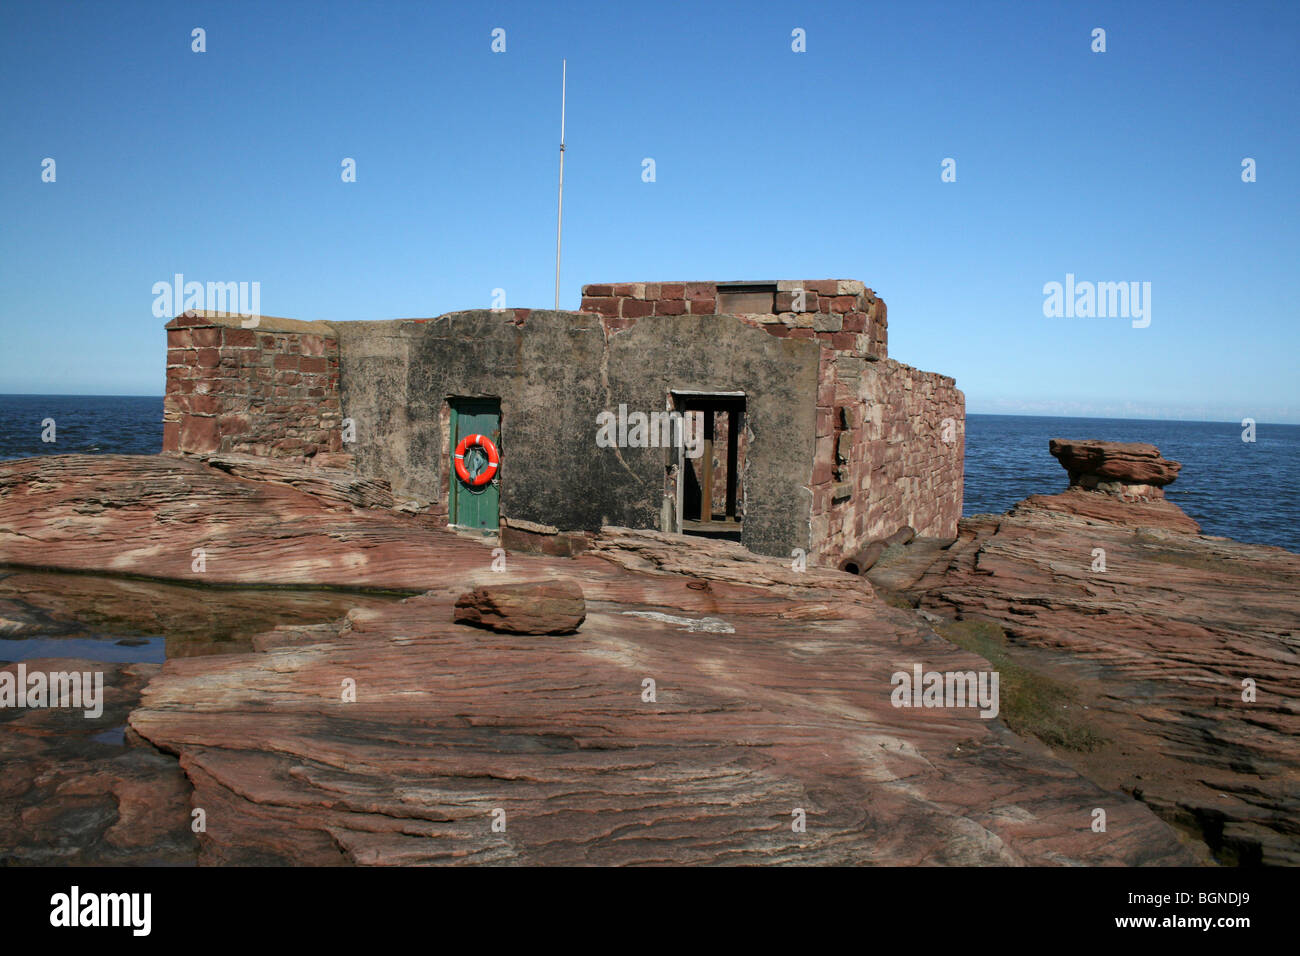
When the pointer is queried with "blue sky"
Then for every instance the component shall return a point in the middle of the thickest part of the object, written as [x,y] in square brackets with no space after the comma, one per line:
[1115,166]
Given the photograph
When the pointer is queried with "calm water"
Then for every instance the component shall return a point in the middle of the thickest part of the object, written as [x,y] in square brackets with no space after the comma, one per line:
[83,425]
[1247,491]
[1233,488]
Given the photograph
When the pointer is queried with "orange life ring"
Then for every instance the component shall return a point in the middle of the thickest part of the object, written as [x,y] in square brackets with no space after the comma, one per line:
[494,460]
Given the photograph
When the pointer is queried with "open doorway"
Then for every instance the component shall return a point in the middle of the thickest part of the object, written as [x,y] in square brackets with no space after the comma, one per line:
[710,486]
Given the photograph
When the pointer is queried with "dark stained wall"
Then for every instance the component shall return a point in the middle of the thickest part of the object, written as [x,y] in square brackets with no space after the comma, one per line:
[554,372]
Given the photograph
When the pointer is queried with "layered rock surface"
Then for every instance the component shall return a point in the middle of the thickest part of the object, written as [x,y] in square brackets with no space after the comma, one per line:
[73,792]
[1156,628]
[770,698]
[530,607]
[1128,469]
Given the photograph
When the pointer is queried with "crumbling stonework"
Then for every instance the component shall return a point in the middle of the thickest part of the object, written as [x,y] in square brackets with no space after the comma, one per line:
[272,390]
[890,438]
[890,454]
[840,445]
[841,313]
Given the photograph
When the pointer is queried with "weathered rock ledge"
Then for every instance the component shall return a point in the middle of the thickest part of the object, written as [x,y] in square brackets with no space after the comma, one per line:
[1160,632]
[1134,471]
[771,698]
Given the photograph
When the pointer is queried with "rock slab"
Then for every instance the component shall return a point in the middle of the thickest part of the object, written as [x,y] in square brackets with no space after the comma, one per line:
[530,607]
[1095,464]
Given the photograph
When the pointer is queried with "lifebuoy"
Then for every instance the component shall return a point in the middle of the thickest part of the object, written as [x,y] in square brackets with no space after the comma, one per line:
[494,460]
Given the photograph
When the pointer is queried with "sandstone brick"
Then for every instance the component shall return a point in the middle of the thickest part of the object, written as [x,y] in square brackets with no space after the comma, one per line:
[232,425]
[828,323]
[239,338]
[606,305]
[312,363]
[636,308]
[790,301]
[822,474]
[199,435]
[597,291]
[854,322]
[670,307]
[287,361]
[672,290]
[202,404]
[208,358]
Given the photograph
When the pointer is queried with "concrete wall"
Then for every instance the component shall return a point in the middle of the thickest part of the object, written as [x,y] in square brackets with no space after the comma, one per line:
[554,372]
[270,390]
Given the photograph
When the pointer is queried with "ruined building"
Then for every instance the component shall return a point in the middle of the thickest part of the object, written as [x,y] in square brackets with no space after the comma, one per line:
[808,435]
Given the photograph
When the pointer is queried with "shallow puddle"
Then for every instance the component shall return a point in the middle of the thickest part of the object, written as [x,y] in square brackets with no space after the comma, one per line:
[126,620]
[65,772]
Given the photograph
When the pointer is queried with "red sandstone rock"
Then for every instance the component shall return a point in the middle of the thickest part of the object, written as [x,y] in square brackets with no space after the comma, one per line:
[69,798]
[1156,513]
[773,695]
[531,607]
[1157,646]
[1128,462]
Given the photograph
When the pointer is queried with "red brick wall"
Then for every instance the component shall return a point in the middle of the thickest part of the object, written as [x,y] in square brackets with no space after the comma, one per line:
[843,313]
[621,302]
[882,461]
[258,391]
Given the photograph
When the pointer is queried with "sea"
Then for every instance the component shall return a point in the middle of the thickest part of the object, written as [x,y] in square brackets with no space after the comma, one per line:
[1248,490]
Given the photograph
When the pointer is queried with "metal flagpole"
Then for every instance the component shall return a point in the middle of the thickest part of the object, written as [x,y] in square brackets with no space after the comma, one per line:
[559,221]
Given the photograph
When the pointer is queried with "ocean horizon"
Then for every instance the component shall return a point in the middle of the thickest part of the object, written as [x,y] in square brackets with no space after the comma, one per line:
[1249,491]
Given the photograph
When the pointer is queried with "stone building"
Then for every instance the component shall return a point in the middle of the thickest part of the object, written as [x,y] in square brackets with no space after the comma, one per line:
[768,412]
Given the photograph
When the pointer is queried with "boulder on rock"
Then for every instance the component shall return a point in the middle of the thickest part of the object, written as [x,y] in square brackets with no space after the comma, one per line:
[534,607]
[1127,469]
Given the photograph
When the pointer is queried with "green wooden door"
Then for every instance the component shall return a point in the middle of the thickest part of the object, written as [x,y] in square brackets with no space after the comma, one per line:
[475,507]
